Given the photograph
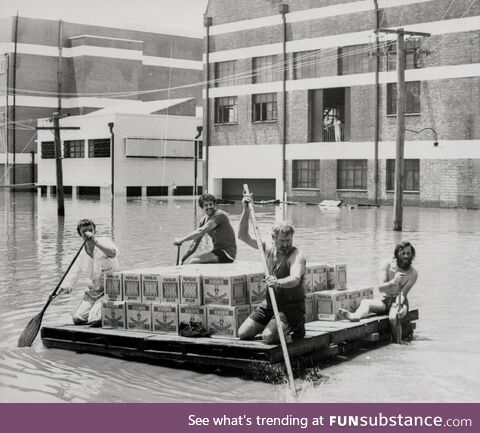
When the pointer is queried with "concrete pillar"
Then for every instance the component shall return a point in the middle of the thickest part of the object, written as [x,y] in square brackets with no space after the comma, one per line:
[171,189]
[144,191]
[105,193]
[50,191]
[39,191]
[215,187]
[74,192]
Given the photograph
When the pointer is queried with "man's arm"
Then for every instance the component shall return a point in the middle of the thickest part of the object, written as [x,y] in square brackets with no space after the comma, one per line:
[197,234]
[243,227]
[103,244]
[389,287]
[297,270]
[191,250]
[410,283]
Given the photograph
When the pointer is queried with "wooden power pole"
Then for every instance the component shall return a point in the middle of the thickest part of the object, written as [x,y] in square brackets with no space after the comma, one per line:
[400,140]
[58,158]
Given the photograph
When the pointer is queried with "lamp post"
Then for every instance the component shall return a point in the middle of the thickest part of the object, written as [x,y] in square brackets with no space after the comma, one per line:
[435,143]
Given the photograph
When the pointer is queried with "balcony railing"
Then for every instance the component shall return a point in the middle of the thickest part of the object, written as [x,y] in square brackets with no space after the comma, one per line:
[334,133]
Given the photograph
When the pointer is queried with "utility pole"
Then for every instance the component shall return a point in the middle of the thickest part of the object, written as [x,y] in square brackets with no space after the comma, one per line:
[400,140]
[58,157]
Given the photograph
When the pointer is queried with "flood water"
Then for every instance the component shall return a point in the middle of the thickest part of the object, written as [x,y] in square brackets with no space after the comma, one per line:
[439,365]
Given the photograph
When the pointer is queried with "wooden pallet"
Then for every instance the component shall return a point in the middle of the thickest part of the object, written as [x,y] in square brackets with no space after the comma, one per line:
[253,359]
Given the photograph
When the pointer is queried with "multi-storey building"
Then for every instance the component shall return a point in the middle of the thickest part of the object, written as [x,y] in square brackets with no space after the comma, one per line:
[56,66]
[302,100]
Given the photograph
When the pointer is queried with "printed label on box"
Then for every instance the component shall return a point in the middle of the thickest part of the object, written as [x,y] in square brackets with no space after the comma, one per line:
[139,316]
[308,280]
[165,318]
[191,290]
[192,313]
[151,287]
[131,287]
[226,320]
[225,291]
[113,286]
[319,278]
[256,288]
[113,314]
[171,288]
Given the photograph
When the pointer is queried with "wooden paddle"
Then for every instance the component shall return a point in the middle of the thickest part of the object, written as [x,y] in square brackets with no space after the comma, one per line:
[178,254]
[397,332]
[272,297]
[31,330]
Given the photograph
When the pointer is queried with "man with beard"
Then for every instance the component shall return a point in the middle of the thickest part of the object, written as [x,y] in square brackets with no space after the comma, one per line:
[286,265]
[397,276]
[217,224]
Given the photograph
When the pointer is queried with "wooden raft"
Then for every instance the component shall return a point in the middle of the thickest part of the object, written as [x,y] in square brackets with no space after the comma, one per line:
[253,359]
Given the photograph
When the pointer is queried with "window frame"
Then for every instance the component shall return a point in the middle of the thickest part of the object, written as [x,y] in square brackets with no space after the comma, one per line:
[263,69]
[230,109]
[306,174]
[47,153]
[78,149]
[353,59]
[264,107]
[97,146]
[347,176]
[225,73]
[412,57]
[304,67]
[412,100]
[411,175]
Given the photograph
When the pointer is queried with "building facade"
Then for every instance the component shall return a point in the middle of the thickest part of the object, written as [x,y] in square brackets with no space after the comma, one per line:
[56,66]
[302,100]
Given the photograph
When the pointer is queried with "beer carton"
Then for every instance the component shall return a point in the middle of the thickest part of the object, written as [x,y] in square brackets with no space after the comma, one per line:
[307,280]
[113,286]
[192,313]
[310,307]
[165,318]
[170,288]
[340,276]
[331,277]
[226,320]
[329,302]
[354,298]
[229,289]
[191,288]
[113,314]
[319,277]
[139,316]
[131,286]
[151,283]
[256,288]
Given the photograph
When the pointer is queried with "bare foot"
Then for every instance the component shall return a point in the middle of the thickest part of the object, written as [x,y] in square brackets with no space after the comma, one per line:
[346,315]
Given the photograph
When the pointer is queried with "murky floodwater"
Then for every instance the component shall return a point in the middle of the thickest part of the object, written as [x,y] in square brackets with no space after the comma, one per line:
[440,365]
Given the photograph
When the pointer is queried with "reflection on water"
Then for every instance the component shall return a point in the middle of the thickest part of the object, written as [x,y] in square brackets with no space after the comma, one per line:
[440,365]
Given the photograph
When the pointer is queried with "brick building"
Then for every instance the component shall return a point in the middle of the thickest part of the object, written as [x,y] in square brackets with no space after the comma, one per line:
[302,100]
[91,67]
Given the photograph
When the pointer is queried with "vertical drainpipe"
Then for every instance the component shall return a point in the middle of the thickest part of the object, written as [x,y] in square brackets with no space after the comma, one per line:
[14,102]
[59,68]
[377,101]
[207,22]
[283,9]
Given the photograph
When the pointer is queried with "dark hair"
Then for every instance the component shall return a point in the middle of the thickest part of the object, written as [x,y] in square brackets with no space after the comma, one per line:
[85,223]
[402,245]
[206,197]
[283,227]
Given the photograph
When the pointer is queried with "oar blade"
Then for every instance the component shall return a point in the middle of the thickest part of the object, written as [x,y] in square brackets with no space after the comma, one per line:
[30,332]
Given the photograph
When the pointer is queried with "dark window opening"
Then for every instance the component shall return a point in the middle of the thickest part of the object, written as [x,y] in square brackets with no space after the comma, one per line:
[306,64]
[225,73]
[352,174]
[411,181]
[353,59]
[89,190]
[412,98]
[157,190]
[264,107]
[264,69]
[99,148]
[306,174]
[74,149]
[48,150]
[226,110]
[134,191]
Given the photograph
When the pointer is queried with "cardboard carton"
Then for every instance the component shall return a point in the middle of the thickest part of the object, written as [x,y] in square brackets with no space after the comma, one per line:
[256,288]
[113,314]
[331,278]
[340,276]
[229,289]
[139,316]
[329,302]
[319,277]
[225,320]
[151,284]
[131,286]
[192,313]
[170,288]
[165,318]
[310,307]
[113,286]
[191,288]
[308,280]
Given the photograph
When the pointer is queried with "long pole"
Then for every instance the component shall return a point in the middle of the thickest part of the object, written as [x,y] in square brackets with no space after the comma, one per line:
[400,142]
[281,336]
[377,100]
[14,106]
[112,157]
[207,21]
[283,10]
[58,164]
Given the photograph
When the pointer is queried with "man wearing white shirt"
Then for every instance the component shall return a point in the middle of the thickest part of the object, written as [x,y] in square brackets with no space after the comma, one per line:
[98,256]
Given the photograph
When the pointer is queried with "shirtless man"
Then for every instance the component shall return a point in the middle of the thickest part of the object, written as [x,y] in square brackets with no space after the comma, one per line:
[217,225]
[397,276]
[286,265]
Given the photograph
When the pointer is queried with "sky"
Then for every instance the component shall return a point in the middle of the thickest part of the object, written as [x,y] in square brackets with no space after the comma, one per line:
[175,14]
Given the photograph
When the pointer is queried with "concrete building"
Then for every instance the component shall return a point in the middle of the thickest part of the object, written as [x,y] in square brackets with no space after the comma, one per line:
[56,66]
[302,100]
[153,154]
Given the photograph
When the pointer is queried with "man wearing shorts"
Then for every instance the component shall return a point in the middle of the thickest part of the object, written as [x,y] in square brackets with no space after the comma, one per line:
[286,265]
[397,276]
[217,225]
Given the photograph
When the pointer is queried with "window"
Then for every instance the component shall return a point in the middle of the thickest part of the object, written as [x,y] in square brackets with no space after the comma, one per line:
[306,174]
[99,148]
[306,64]
[74,149]
[48,150]
[353,60]
[412,175]
[412,56]
[264,107]
[225,73]
[226,110]
[352,174]
[412,97]
[264,69]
